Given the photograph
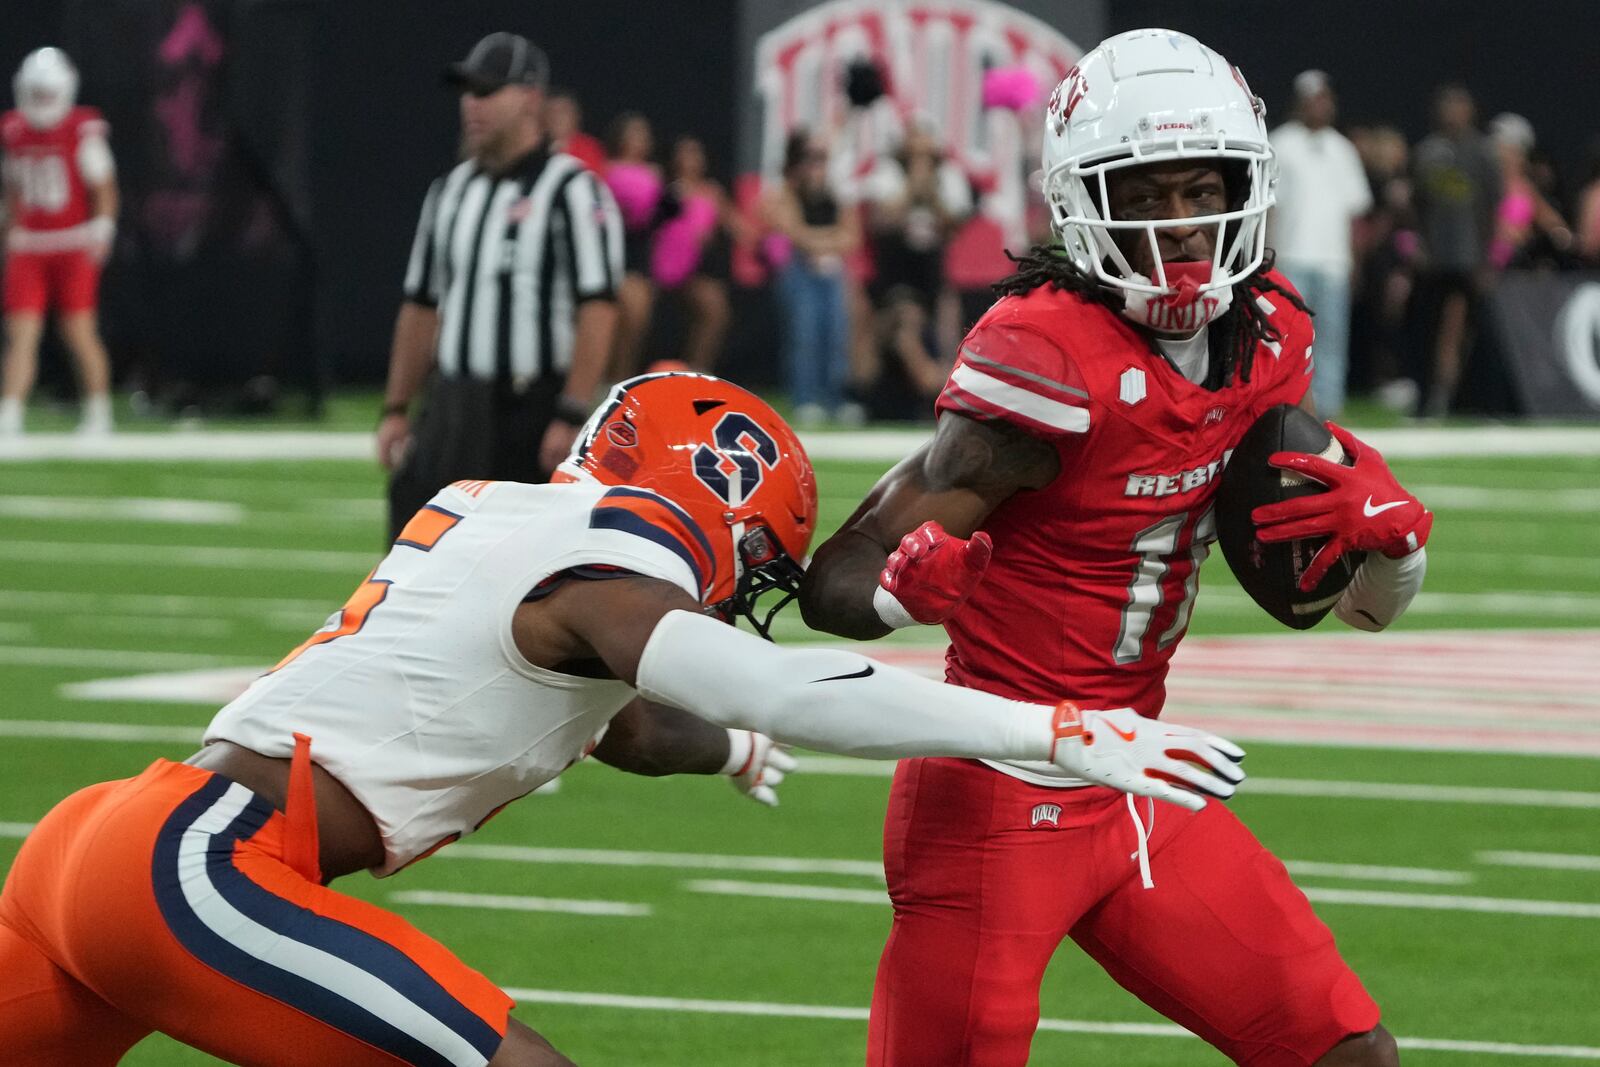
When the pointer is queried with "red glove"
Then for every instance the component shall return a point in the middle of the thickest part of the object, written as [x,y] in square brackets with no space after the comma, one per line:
[929,575]
[1364,508]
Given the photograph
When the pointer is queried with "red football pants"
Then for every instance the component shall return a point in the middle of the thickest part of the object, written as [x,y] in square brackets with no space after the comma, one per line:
[989,873]
[38,281]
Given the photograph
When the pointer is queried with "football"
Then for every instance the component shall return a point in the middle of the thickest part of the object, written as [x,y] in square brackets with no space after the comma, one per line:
[1271,573]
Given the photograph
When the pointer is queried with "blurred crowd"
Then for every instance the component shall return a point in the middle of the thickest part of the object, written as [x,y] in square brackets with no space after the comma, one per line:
[1431,229]
[876,266]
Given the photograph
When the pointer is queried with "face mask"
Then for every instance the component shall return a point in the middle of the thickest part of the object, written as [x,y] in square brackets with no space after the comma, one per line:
[1183,309]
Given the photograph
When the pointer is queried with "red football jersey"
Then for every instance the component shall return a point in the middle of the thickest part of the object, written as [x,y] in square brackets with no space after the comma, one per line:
[45,168]
[1094,577]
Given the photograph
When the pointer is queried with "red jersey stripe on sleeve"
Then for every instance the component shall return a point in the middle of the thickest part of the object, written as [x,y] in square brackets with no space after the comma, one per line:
[977,390]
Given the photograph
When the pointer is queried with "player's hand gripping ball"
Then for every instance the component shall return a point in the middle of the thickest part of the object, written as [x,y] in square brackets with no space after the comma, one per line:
[1362,509]
[1285,570]
[930,575]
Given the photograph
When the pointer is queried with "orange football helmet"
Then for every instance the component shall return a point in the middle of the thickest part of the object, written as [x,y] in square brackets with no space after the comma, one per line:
[723,455]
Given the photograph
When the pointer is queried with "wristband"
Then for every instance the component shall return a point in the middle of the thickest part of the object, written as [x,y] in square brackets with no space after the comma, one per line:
[570,411]
[102,228]
[890,610]
[741,750]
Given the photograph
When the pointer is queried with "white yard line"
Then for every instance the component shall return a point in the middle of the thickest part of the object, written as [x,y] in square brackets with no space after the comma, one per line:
[1479,498]
[109,658]
[46,602]
[121,733]
[826,894]
[596,857]
[1562,909]
[843,1013]
[1494,441]
[1431,794]
[839,765]
[497,902]
[99,509]
[15,829]
[1360,872]
[275,559]
[1298,787]
[1549,861]
[603,857]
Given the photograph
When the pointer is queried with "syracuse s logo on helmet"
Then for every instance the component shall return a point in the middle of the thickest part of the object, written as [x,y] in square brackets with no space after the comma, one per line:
[743,454]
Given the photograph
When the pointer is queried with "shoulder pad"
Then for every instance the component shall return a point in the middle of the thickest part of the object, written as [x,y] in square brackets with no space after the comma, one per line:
[652,517]
[1011,369]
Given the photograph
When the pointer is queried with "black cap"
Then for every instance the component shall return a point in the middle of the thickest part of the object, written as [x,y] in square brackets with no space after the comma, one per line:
[499,60]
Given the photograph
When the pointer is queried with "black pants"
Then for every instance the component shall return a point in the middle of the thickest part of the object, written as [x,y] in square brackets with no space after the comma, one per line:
[472,429]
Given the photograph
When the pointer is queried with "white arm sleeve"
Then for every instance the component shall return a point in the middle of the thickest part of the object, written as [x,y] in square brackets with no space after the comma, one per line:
[94,160]
[830,699]
[1382,589]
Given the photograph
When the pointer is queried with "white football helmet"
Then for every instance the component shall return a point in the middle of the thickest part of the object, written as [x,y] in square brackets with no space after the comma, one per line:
[46,87]
[1149,96]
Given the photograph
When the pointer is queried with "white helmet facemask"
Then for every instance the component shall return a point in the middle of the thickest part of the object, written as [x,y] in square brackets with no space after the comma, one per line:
[1154,96]
[46,87]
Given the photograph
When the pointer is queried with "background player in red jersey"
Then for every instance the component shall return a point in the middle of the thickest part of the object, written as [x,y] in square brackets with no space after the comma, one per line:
[61,206]
[1083,429]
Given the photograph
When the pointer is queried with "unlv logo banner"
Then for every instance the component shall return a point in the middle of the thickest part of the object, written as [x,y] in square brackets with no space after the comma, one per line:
[934,54]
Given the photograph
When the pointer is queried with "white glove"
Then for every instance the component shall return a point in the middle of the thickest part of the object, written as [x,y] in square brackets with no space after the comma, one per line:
[1120,748]
[757,765]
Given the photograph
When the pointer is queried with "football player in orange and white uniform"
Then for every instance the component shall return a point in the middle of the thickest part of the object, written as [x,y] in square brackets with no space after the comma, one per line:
[1055,526]
[512,630]
[61,206]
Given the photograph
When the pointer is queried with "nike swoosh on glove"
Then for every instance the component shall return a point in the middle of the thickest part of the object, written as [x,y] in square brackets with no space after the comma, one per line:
[929,576]
[1364,508]
[757,765]
[1146,757]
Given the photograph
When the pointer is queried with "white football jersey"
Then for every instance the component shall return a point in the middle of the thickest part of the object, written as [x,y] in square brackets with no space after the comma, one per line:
[414,695]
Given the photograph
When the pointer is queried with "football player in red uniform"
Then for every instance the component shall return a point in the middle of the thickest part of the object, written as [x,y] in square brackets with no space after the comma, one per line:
[1055,526]
[61,201]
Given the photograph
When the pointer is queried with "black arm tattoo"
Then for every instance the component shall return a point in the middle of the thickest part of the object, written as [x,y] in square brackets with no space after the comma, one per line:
[991,458]
[958,478]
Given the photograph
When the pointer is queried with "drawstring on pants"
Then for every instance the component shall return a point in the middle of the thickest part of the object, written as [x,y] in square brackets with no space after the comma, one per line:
[1142,853]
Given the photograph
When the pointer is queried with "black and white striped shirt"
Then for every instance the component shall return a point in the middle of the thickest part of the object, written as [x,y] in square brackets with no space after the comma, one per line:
[507,259]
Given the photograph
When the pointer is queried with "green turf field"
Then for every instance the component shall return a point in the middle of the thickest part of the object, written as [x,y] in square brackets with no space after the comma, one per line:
[115,570]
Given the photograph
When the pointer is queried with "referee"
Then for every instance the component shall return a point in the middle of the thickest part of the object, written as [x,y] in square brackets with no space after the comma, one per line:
[509,296]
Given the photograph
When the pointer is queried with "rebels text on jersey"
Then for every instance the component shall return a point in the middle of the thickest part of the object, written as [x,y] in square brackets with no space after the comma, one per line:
[1094,576]
[51,170]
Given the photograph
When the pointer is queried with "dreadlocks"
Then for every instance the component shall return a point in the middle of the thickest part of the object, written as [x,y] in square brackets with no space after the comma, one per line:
[1240,329]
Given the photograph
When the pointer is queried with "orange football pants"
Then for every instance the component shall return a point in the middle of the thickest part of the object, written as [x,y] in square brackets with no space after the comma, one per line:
[178,901]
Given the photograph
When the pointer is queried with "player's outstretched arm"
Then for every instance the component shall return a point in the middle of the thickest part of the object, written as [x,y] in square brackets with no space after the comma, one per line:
[654,636]
[926,511]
